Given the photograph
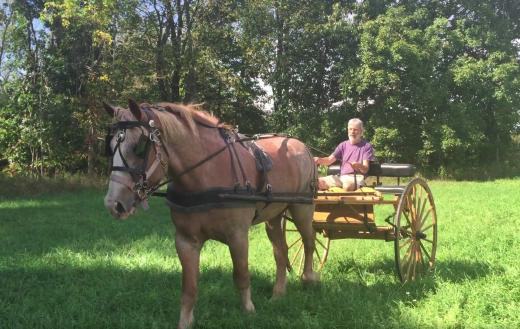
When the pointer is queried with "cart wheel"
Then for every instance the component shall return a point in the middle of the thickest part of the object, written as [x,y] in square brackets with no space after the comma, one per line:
[295,246]
[415,231]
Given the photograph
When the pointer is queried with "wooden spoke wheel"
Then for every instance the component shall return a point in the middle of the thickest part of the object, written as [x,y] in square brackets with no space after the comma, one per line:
[295,247]
[415,231]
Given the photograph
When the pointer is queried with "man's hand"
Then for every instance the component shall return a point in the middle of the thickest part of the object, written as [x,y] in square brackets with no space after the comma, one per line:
[360,167]
[357,166]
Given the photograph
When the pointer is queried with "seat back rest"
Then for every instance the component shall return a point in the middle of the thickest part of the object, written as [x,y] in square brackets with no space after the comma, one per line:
[397,170]
[380,169]
[333,169]
[374,169]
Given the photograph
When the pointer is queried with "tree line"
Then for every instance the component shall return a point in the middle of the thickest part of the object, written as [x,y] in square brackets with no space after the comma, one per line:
[436,82]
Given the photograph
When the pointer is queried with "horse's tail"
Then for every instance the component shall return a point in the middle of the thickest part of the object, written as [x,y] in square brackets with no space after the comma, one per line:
[314,173]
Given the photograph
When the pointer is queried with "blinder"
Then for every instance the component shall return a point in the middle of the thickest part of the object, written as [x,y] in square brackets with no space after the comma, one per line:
[140,148]
[108,139]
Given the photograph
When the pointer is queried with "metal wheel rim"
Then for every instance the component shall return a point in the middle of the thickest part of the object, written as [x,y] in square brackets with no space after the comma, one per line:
[415,241]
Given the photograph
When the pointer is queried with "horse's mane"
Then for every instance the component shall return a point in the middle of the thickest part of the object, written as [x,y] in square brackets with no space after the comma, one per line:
[179,120]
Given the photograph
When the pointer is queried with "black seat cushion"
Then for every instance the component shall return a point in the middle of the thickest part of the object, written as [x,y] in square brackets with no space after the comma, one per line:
[381,169]
[334,169]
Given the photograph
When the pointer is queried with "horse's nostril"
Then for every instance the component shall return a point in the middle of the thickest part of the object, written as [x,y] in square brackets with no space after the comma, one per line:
[119,208]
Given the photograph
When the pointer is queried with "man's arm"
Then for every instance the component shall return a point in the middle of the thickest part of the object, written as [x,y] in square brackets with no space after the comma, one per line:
[361,167]
[326,161]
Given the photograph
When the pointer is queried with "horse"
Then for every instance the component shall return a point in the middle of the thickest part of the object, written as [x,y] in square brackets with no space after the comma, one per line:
[219,184]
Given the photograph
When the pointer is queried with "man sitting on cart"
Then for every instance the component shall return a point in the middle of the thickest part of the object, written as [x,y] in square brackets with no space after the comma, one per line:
[354,154]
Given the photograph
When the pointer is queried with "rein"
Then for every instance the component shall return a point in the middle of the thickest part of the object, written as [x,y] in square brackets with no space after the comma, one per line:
[229,143]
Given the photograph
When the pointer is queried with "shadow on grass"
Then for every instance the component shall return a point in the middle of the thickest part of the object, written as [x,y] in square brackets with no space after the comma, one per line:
[61,295]
[75,222]
[65,296]
[446,270]
[113,297]
[463,270]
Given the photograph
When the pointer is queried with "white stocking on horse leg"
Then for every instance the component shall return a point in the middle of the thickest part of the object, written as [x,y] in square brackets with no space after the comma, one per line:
[189,255]
[238,247]
[275,234]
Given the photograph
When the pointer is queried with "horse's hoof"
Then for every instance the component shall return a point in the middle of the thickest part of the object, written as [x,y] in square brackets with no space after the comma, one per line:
[186,321]
[185,325]
[278,291]
[249,307]
[277,295]
[312,279]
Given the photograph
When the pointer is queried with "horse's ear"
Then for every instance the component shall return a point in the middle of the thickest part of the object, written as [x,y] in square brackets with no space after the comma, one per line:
[109,109]
[134,108]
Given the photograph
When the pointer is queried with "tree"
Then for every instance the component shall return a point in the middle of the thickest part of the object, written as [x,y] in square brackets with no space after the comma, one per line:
[449,94]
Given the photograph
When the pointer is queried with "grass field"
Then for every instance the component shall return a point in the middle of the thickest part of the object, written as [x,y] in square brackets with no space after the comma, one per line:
[64,263]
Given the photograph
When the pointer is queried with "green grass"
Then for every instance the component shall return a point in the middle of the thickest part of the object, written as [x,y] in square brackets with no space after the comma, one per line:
[64,263]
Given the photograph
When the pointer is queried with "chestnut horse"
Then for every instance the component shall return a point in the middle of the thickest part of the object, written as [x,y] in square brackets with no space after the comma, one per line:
[201,156]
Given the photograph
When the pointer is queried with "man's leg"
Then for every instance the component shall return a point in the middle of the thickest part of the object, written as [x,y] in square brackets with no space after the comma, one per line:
[351,182]
[324,183]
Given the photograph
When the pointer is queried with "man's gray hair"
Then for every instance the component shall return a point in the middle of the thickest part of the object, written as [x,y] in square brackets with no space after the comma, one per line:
[355,121]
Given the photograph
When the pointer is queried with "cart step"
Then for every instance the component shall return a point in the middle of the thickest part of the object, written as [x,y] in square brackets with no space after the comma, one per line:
[393,189]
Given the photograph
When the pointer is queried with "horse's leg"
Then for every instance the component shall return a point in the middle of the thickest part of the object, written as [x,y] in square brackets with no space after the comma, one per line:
[188,250]
[302,215]
[238,248]
[275,234]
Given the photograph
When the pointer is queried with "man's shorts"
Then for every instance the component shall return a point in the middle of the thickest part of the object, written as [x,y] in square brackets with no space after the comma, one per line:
[340,181]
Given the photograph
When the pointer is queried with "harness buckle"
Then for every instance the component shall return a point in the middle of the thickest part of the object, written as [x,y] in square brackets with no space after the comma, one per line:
[268,191]
[142,189]
[154,135]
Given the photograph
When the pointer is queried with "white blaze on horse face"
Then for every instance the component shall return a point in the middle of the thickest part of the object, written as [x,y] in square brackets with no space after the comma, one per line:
[120,199]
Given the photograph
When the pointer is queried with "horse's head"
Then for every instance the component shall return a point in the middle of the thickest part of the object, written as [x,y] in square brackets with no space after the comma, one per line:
[138,160]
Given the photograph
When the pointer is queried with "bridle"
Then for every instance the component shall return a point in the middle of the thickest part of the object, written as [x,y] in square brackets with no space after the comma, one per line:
[142,150]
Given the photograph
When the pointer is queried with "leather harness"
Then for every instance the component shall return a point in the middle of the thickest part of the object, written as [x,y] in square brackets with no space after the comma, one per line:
[238,196]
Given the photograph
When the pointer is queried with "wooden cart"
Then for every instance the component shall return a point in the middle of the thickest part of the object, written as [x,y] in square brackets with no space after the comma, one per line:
[350,215]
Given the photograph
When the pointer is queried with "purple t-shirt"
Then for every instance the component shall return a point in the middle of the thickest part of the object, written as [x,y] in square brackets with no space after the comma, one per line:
[346,152]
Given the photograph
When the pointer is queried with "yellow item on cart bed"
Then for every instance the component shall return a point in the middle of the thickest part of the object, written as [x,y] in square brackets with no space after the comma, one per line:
[363,189]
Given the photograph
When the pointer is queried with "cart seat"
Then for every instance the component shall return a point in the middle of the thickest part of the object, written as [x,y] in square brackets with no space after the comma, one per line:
[377,169]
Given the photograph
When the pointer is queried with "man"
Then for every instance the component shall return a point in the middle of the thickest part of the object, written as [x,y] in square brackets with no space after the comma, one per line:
[355,155]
